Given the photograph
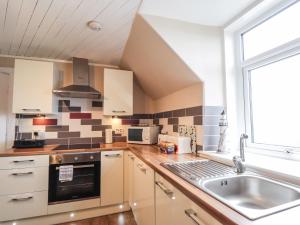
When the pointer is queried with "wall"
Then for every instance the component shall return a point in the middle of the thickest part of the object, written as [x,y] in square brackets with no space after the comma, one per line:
[180,65]
[158,69]
[4,81]
[79,122]
[184,98]
[142,103]
[184,109]
[200,48]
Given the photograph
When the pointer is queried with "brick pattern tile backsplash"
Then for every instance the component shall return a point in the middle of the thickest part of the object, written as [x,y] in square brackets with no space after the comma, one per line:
[80,123]
[204,118]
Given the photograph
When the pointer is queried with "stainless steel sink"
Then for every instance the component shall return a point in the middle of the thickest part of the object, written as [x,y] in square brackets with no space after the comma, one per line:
[251,195]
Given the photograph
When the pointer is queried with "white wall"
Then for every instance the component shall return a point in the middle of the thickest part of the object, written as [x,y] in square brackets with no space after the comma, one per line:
[187,97]
[6,118]
[158,69]
[200,47]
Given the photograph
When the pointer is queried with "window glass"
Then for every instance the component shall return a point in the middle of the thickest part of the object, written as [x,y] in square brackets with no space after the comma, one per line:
[279,29]
[275,103]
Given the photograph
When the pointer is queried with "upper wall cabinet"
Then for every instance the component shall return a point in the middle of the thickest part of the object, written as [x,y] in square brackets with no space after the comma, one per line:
[32,88]
[118,92]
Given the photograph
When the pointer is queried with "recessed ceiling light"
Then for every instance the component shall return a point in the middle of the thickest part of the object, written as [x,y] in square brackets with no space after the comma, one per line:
[94,25]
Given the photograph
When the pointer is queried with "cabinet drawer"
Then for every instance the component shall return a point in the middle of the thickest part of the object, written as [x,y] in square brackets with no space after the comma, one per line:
[23,180]
[23,205]
[173,207]
[23,162]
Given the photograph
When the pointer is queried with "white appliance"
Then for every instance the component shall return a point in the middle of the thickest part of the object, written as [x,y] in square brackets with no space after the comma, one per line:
[183,144]
[143,135]
[108,136]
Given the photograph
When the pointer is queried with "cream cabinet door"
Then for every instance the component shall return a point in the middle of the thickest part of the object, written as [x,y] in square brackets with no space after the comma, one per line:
[19,162]
[23,205]
[128,177]
[170,204]
[111,178]
[143,186]
[32,87]
[24,180]
[199,216]
[118,92]
[173,207]
[131,158]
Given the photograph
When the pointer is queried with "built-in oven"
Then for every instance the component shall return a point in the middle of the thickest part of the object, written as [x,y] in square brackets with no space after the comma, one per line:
[74,176]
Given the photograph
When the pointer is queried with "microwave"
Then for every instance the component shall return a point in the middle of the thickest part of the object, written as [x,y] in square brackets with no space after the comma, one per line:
[143,135]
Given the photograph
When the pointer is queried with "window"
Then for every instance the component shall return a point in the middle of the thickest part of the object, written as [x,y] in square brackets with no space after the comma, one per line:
[271,71]
[278,30]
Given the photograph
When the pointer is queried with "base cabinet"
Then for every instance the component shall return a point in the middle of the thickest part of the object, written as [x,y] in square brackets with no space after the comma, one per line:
[23,205]
[130,178]
[173,207]
[24,188]
[111,192]
[143,197]
[170,204]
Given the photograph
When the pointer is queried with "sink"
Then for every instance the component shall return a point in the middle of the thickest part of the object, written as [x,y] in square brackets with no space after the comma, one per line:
[252,195]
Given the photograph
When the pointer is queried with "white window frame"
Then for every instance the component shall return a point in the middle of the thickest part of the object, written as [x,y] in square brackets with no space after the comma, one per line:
[276,54]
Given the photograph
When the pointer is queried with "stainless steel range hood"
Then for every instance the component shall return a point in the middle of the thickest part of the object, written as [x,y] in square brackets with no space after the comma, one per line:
[81,82]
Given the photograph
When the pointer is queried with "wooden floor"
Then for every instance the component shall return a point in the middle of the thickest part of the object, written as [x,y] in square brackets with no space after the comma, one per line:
[125,218]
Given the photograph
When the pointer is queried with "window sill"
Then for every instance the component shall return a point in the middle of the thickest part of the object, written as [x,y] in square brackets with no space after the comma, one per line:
[277,168]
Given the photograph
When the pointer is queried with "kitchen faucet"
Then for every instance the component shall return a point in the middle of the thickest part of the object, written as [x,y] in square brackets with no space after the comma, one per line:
[239,161]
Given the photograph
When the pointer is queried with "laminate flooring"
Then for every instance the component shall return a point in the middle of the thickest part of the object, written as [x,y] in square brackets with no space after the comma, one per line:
[125,218]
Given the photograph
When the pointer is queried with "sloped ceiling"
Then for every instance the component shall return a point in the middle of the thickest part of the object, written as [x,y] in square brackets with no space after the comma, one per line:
[157,67]
[57,29]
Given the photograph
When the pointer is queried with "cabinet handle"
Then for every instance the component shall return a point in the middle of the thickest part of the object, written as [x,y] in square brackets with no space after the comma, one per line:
[131,157]
[31,110]
[142,168]
[22,161]
[21,199]
[112,155]
[22,174]
[193,215]
[119,111]
[167,191]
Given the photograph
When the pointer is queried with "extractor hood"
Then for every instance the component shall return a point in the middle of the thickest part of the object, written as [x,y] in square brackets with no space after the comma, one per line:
[81,82]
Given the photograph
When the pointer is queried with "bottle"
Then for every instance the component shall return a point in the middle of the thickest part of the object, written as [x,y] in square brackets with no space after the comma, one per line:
[223,142]
[108,136]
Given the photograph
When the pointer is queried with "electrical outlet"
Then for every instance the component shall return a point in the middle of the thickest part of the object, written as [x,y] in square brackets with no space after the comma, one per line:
[119,130]
[38,134]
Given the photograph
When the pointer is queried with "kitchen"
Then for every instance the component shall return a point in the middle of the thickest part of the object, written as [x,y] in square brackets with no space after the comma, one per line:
[149,112]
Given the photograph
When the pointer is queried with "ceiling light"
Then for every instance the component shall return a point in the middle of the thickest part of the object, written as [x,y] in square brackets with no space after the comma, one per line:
[94,25]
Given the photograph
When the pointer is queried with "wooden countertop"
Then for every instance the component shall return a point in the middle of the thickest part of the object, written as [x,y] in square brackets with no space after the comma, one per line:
[48,150]
[152,157]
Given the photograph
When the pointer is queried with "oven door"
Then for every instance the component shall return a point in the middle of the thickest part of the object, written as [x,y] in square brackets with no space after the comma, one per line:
[85,183]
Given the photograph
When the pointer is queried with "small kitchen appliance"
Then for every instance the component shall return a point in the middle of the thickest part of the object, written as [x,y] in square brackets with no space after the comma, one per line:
[183,144]
[143,134]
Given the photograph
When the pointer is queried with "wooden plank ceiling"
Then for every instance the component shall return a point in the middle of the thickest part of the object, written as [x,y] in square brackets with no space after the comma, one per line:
[57,29]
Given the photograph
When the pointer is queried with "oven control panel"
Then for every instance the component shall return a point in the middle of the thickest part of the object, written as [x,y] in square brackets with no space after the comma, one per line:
[65,158]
